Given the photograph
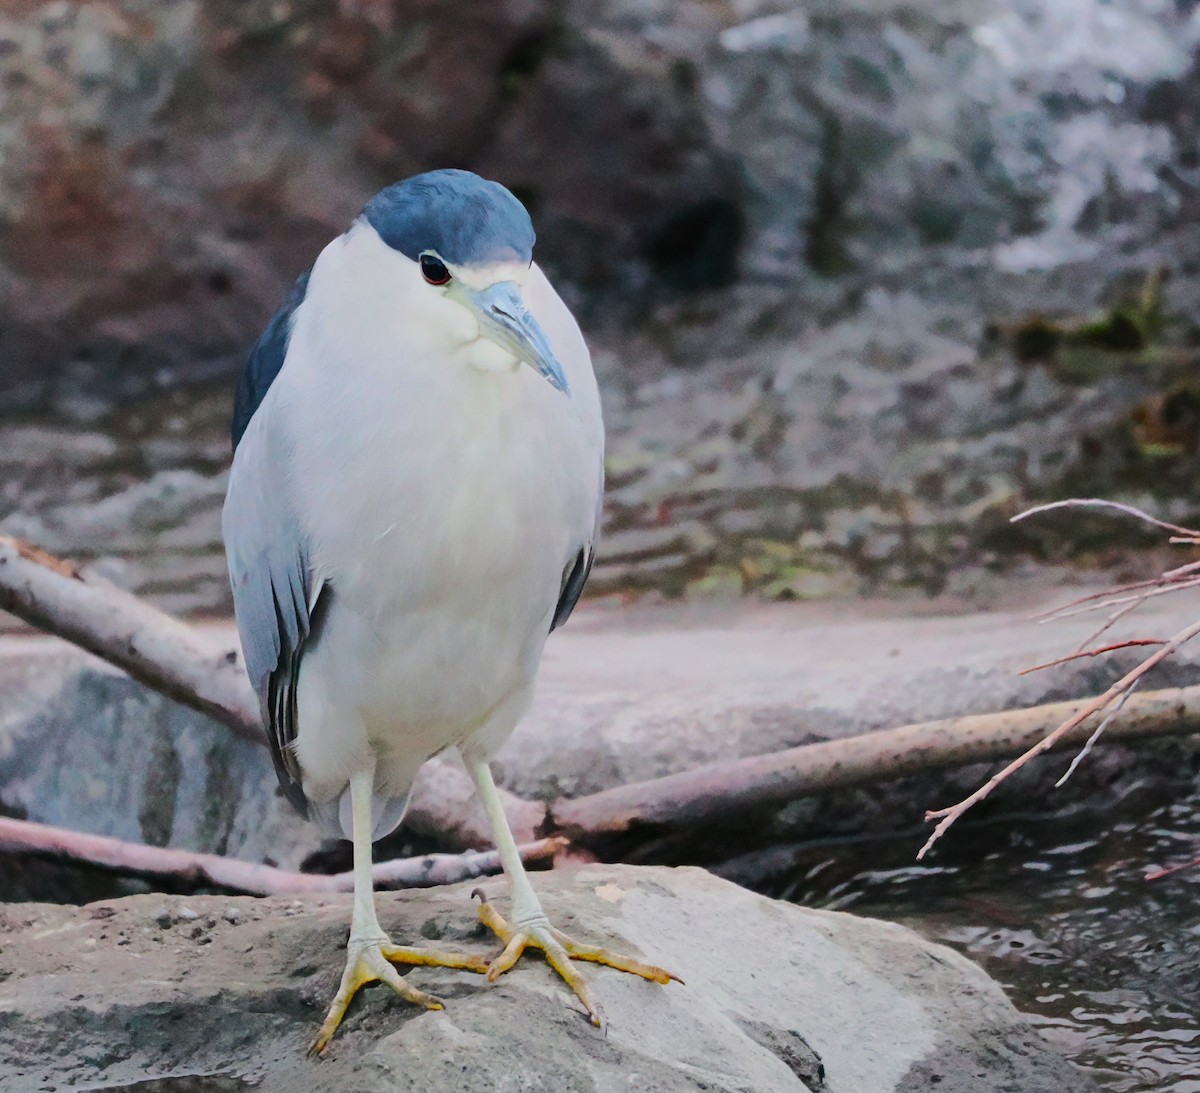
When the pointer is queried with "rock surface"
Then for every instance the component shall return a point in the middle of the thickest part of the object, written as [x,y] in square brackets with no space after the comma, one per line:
[83,746]
[841,261]
[776,998]
[169,168]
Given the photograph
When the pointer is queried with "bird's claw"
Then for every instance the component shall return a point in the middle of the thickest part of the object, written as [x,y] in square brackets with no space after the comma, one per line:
[559,950]
[371,961]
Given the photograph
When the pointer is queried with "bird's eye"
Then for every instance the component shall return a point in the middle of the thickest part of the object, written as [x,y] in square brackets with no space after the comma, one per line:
[434,270]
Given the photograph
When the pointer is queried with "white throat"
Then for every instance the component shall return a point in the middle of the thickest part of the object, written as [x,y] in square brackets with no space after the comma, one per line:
[485,355]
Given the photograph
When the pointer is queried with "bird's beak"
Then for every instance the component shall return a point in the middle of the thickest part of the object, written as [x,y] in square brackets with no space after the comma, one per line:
[505,320]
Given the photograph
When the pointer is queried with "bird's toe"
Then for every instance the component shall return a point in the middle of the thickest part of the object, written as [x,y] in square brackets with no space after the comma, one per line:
[372,962]
[560,950]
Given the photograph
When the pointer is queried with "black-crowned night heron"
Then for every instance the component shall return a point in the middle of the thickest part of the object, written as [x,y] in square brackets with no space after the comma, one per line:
[411,511]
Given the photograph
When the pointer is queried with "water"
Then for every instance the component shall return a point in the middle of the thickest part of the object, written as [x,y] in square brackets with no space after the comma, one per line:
[1059,912]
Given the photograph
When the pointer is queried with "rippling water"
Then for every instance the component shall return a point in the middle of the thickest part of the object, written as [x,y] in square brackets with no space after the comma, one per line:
[1060,913]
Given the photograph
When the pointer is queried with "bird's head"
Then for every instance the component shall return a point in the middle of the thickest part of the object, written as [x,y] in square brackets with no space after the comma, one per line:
[469,245]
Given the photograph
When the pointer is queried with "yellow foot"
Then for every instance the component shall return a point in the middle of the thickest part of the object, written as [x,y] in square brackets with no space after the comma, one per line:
[369,960]
[559,950]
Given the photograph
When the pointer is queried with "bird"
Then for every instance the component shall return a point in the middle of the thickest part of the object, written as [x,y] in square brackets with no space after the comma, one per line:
[412,508]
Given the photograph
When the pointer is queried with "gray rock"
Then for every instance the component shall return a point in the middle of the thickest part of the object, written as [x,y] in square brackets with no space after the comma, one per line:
[152,175]
[800,227]
[776,998]
[85,747]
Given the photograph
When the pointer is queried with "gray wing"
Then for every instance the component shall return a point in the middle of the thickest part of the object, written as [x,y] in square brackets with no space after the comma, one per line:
[277,602]
[266,359]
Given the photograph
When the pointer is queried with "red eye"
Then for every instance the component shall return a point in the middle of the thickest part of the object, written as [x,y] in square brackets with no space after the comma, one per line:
[434,270]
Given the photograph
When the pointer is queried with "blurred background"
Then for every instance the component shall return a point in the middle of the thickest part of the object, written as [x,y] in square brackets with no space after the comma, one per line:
[861,278]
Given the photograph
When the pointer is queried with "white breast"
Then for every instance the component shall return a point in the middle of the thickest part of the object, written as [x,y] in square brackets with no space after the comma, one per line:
[442,502]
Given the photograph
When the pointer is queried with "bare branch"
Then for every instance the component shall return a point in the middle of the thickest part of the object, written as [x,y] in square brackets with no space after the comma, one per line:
[1109,623]
[1113,601]
[1093,653]
[1091,740]
[249,877]
[1158,874]
[1101,503]
[947,816]
[1171,576]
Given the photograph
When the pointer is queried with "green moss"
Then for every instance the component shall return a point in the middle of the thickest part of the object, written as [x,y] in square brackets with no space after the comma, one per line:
[720,582]
[1083,351]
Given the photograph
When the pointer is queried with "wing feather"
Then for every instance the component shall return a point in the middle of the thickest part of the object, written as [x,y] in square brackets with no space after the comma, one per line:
[575,576]
[276,599]
[266,359]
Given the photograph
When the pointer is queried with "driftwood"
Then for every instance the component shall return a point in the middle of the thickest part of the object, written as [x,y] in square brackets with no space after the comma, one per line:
[247,877]
[170,657]
[718,789]
[154,648]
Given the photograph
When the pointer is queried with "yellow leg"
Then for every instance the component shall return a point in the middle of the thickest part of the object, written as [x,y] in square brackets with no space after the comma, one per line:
[531,928]
[369,953]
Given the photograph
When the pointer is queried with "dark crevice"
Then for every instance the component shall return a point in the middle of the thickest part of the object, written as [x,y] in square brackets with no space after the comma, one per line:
[524,61]
[698,248]
[825,250]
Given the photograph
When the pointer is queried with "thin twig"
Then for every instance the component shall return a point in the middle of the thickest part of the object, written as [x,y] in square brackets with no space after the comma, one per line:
[1110,622]
[1176,586]
[1091,740]
[1170,577]
[1093,653]
[249,877]
[1180,571]
[1101,503]
[1158,874]
[947,816]
[1053,612]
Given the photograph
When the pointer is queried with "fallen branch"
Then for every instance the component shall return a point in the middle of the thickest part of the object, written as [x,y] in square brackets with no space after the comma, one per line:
[169,656]
[720,789]
[151,646]
[247,877]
